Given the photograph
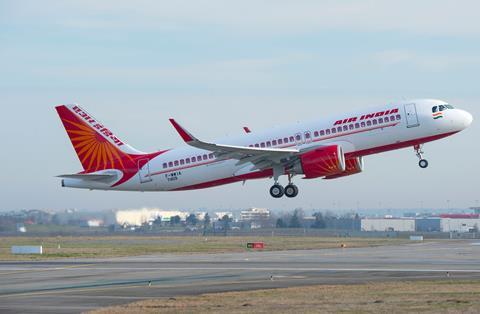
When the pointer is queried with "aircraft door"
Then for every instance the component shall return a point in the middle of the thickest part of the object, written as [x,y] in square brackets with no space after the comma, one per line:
[411,115]
[144,172]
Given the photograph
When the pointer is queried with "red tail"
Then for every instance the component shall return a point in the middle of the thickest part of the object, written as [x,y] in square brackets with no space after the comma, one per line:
[96,146]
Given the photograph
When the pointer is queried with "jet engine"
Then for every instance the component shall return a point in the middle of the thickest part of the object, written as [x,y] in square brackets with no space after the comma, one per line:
[322,162]
[353,165]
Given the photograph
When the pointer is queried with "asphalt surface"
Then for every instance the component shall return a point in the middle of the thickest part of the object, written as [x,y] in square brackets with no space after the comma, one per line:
[74,286]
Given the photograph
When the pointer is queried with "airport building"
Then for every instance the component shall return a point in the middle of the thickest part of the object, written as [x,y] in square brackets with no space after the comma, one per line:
[254,214]
[388,224]
[138,217]
[452,224]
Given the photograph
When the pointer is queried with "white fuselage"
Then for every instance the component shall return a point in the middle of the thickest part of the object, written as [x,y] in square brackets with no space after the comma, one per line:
[411,123]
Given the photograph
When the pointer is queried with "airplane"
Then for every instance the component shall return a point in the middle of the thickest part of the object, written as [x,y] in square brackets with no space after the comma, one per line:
[327,148]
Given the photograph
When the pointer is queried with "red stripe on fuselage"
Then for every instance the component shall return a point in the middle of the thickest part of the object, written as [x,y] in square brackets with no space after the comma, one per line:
[268,173]
[284,146]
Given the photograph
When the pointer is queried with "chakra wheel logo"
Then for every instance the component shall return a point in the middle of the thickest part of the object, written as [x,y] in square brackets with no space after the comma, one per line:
[94,151]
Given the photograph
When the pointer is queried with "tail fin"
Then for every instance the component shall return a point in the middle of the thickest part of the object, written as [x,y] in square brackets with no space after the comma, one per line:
[96,146]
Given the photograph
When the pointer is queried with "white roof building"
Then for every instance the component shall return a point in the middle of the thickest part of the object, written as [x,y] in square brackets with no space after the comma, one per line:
[138,217]
[388,224]
[254,214]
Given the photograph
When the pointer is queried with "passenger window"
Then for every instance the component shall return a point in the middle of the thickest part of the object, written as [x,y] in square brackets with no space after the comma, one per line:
[374,121]
[262,145]
[211,156]
[164,165]
[322,133]
[380,120]
[292,139]
[199,158]
[327,131]
[350,126]
[307,135]
[315,133]
[187,160]
[205,157]
[298,137]
[363,124]
[256,145]
[369,123]
[345,128]
[269,144]
[194,159]
[274,143]
[182,162]
[334,131]
[176,163]
[339,129]
[434,109]
[280,141]
[285,140]
[170,164]
[399,117]
[357,125]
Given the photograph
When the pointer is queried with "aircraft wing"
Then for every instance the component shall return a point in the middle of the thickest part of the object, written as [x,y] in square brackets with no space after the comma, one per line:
[262,158]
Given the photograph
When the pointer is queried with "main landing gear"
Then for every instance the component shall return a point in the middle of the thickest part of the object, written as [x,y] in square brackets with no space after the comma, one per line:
[290,191]
[423,163]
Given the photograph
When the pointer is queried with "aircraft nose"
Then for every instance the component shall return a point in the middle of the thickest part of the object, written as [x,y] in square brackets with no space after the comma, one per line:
[467,118]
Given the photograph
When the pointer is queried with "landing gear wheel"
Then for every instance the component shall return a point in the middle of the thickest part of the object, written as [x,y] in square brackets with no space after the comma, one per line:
[291,191]
[423,163]
[277,191]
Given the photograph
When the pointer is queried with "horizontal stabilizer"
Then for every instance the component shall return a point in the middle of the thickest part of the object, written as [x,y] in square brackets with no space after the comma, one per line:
[89,177]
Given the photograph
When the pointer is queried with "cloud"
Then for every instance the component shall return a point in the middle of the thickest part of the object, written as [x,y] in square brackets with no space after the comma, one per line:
[435,62]
[431,17]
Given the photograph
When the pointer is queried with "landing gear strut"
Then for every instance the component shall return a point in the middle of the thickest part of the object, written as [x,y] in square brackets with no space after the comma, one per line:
[291,189]
[423,163]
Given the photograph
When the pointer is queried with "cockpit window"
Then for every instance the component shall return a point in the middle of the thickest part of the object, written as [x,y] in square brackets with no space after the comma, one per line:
[441,108]
[450,106]
[434,109]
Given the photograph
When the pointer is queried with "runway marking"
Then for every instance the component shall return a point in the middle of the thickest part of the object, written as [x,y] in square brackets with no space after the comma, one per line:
[33,270]
[253,268]
[116,287]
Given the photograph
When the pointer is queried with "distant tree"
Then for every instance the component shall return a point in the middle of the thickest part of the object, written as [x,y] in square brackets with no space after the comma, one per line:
[281,223]
[175,220]
[226,220]
[192,220]
[295,220]
[157,221]
[206,223]
[319,221]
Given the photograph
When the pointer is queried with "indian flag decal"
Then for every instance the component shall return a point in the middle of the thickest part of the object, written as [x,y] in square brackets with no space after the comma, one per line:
[437,115]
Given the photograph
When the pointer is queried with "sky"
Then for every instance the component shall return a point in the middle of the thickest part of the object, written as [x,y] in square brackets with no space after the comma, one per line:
[219,65]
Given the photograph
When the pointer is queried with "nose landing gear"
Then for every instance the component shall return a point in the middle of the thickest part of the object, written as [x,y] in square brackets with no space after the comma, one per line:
[423,163]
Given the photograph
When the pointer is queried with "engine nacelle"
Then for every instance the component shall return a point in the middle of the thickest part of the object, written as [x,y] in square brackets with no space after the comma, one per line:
[352,166]
[323,162]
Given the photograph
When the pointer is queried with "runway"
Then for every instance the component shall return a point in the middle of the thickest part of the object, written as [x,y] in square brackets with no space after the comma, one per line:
[79,285]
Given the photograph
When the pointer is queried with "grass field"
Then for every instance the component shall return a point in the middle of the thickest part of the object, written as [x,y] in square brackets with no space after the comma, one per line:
[445,296]
[113,246]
